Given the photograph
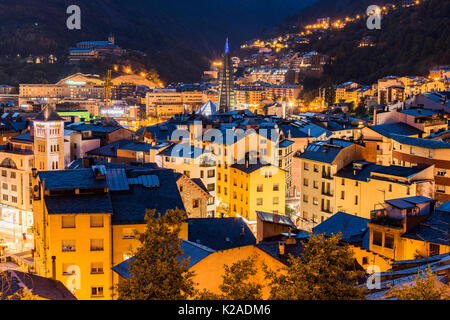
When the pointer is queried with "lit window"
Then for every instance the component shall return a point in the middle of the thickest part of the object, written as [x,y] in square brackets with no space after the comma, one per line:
[68,221]
[68,245]
[97,291]
[96,221]
[96,244]
[96,268]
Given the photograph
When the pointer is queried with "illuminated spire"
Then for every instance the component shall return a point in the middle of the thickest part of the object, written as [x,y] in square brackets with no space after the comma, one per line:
[226,84]
[227,47]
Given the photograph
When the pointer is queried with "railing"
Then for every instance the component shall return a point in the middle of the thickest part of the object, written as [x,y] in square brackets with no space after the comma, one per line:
[380,217]
[326,175]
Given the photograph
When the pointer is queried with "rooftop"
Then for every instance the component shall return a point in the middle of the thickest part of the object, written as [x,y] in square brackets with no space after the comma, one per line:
[399,128]
[419,142]
[353,228]
[220,233]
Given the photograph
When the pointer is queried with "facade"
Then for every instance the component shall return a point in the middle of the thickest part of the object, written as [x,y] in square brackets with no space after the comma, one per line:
[255,188]
[85,221]
[409,228]
[362,187]
[319,164]
[195,196]
[410,151]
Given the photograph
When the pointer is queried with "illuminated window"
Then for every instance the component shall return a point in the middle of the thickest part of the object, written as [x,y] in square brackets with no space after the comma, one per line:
[128,233]
[377,238]
[196,203]
[389,241]
[68,245]
[96,221]
[68,221]
[259,201]
[96,268]
[97,292]
[276,200]
[96,244]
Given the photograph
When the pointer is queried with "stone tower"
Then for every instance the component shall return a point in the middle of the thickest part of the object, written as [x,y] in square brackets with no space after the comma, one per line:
[48,132]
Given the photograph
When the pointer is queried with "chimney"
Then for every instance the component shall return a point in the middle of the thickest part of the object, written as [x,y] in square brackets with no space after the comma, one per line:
[375,116]
[53,267]
[281,246]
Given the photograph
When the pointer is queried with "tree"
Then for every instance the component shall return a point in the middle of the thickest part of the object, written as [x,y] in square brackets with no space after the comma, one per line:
[289,212]
[361,109]
[424,288]
[237,283]
[157,271]
[325,270]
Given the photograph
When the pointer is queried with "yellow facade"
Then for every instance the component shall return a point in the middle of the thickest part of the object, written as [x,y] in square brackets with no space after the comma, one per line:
[259,190]
[359,197]
[74,251]
[401,248]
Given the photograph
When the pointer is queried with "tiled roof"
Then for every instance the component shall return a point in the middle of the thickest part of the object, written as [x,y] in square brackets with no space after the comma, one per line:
[272,248]
[434,229]
[419,142]
[398,171]
[48,114]
[445,207]
[275,218]
[353,228]
[183,151]
[70,179]
[399,128]
[408,202]
[130,207]
[419,112]
[12,281]
[98,128]
[324,151]
[220,233]
[89,203]
[249,168]
[110,150]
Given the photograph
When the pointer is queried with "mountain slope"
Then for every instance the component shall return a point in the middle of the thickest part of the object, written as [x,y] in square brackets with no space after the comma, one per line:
[410,42]
[179,36]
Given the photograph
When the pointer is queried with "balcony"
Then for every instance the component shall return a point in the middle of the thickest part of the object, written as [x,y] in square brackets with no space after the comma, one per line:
[380,217]
[327,175]
[327,193]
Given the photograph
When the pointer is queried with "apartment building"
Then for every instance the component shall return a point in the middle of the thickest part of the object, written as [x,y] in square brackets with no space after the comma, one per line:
[85,221]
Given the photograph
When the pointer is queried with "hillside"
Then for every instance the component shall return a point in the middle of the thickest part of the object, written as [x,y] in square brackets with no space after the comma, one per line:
[410,42]
[178,36]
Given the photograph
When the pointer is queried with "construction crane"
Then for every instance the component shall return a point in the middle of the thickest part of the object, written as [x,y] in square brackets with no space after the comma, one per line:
[108,85]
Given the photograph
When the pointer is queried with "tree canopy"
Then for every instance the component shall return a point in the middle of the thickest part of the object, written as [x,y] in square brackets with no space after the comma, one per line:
[157,271]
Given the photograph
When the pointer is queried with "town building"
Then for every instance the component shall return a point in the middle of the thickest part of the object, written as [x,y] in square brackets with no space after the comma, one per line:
[85,220]
[410,228]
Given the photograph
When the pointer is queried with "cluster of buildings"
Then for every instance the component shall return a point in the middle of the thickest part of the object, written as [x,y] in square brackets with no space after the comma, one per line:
[93,50]
[76,184]
[392,89]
